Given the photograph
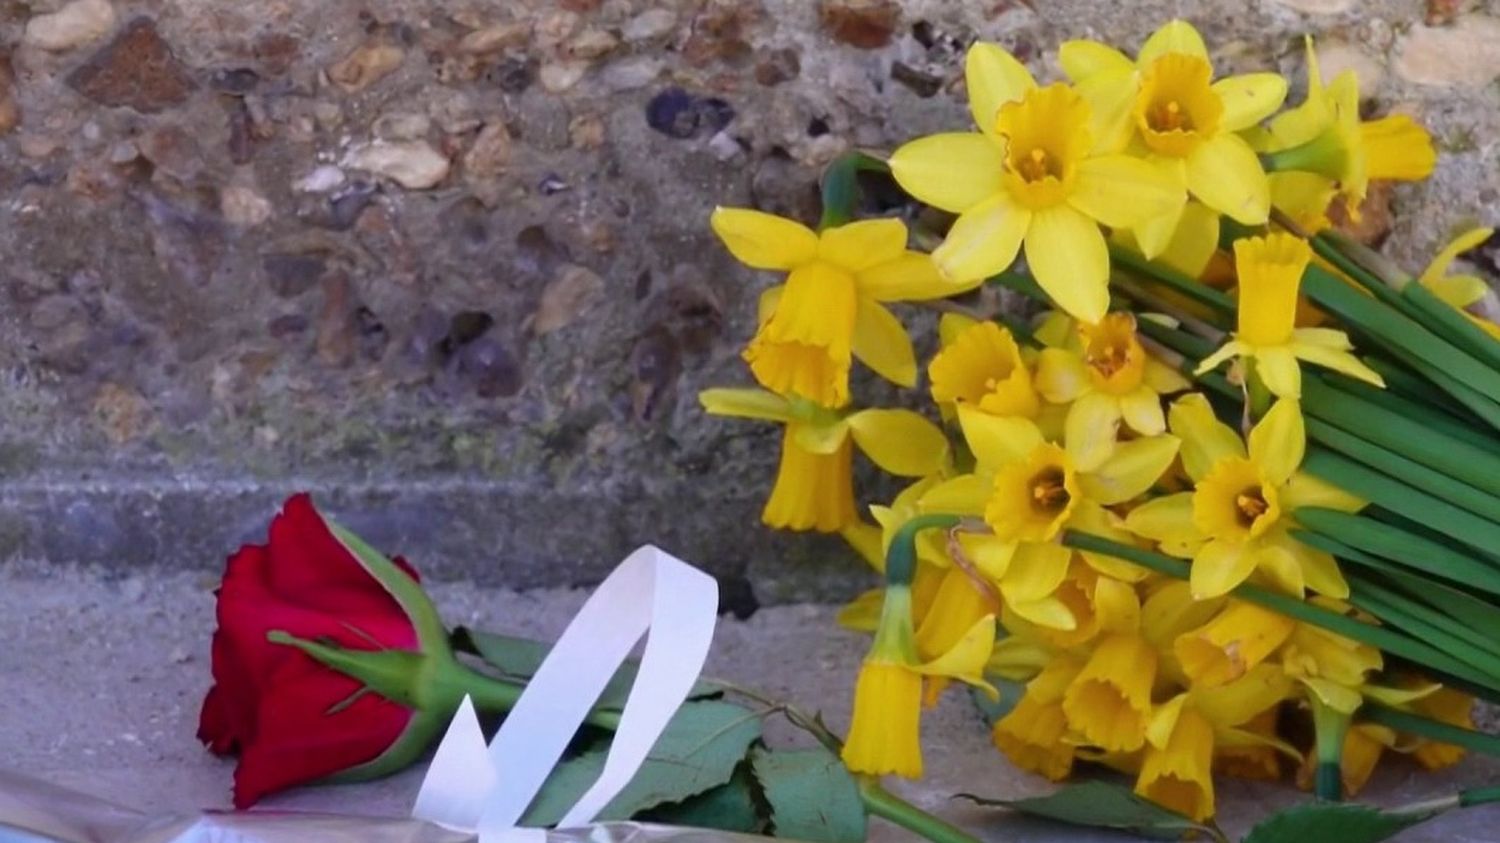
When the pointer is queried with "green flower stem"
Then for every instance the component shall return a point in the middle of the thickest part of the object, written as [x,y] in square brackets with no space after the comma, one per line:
[1190,287]
[498,696]
[1330,727]
[886,805]
[1391,641]
[901,558]
[841,186]
[1405,721]
[1478,796]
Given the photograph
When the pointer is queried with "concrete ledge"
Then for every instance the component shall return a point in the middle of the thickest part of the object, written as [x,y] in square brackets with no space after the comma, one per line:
[486,531]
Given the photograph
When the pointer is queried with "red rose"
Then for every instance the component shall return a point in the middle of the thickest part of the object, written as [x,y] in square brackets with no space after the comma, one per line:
[291,718]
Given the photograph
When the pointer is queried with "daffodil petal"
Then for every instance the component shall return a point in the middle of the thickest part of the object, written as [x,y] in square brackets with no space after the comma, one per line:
[1165,519]
[966,659]
[1111,98]
[765,306]
[862,614]
[1332,694]
[1153,236]
[764,241]
[1121,191]
[1049,612]
[1081,59]
[1061,376]
[1233,348]
[1131,470]
[1339,361]
[1220,566]
[901,442]
[1320,571]
[1306,490]
[1090,517]
[994,78]
[1278,441]
[1443,259]
[1205,439]
[1280,567]
[1142,411]
[984,239]
[1249,99]
[863,244]
[953,171]
[1035,572]
[965,494]
[868,541]
[1175,36]
[1224,174]
[912,276]
[1458,290]
[821,438]
[746,404]
[990,555]
[881,343]
[1068,256]
[1278,369]
[1091,428]
[998,440]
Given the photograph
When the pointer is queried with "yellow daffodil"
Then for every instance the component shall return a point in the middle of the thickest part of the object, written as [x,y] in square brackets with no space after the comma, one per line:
[1185,732]
[1108,379]
[1270,275]
[1333,668]
[1238,639]
[1100,604]
[1167,103]
[1459,290]
[1255,758]
[1027,490]
[1445,706]
[831,307]
[814,485]
[1033,733]
[982,367]
[1236,521]
[1177,771]
[1109,703]
[1321,148]
[1032,175]
[884,735]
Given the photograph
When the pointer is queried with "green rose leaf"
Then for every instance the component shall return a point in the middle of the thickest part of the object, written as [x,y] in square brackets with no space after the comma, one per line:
[728,807]
[699,750]
[1102,805]
[519,658]
[1334,822]
[811,794]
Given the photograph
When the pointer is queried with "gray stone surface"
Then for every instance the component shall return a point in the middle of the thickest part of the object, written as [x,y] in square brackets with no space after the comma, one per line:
[101,676]
[429,255]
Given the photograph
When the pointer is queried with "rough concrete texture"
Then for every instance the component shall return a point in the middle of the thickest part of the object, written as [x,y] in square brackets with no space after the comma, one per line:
[101,678]
[448,259]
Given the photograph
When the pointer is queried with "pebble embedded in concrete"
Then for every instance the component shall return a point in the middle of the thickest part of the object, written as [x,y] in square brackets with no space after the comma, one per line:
[1462,54]
[75,24]
[412,164]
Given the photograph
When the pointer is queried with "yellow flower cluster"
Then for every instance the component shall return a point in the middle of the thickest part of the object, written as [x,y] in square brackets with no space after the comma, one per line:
[1077,422]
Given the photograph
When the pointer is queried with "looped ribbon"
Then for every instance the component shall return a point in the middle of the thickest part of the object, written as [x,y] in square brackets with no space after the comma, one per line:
[485,790]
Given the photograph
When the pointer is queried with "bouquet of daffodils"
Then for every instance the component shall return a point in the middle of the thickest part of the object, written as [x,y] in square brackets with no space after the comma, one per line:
[1222,497]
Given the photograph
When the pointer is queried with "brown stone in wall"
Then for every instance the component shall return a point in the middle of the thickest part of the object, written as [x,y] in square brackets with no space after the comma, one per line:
[137,69]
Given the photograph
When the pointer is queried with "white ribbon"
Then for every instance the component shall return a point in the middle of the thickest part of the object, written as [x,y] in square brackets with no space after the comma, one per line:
[486,790]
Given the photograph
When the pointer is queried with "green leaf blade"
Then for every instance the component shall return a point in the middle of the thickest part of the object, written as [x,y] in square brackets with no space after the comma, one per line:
[1101,805]
[811,794]
[699,750]
[1333,822]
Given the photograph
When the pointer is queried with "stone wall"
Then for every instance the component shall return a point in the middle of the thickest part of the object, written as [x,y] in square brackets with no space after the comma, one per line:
[445,262]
